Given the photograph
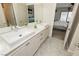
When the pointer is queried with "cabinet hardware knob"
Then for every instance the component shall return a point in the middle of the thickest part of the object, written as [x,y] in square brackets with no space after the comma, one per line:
[41,33]
[27,43]
[41,38]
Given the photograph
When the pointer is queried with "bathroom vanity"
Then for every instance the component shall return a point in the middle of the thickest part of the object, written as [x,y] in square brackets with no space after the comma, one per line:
[27,45]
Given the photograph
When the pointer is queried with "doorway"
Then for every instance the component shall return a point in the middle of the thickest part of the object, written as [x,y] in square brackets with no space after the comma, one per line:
[63,14]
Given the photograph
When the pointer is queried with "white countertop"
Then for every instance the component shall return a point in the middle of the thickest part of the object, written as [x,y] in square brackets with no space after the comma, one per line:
[6,48]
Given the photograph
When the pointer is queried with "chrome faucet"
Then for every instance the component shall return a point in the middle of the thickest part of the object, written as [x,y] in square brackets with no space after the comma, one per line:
[14,27]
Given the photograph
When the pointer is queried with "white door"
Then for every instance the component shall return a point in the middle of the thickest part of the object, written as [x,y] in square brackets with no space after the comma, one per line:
[70,23]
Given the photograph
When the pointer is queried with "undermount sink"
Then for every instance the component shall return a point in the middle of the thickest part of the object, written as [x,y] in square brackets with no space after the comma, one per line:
[16,35]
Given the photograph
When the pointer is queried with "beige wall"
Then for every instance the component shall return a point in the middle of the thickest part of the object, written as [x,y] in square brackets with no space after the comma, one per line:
[38,11]
[2,18]
[49,15]
[21,13]
[45,13]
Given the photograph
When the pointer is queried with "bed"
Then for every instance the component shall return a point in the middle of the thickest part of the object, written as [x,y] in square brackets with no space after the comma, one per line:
[62,25]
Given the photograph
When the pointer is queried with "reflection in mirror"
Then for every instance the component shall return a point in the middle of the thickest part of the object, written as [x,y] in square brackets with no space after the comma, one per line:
[2,18]
[9,13]
[15,14]
[3,21]
[21,13]
[31,13]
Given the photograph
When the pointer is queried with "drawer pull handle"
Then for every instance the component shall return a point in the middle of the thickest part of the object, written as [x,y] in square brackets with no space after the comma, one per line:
[27,43]
[41,33]
[77,45]
[41,38]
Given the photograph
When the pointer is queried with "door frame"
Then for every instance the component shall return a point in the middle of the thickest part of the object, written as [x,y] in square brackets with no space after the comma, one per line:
[70,24]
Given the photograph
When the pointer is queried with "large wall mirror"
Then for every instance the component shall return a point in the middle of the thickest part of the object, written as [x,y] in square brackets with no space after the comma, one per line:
[15,14]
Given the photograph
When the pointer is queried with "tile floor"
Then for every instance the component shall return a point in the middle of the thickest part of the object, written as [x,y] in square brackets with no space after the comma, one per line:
[53,46]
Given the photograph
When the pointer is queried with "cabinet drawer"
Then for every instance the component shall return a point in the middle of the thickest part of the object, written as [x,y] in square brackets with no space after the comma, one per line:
[23,50]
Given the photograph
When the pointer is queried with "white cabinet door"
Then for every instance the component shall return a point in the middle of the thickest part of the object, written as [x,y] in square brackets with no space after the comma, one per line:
[44,35]
[23,50]
[28,48]
[35,43]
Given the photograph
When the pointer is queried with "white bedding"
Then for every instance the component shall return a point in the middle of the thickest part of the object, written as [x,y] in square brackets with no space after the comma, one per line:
[60,25]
